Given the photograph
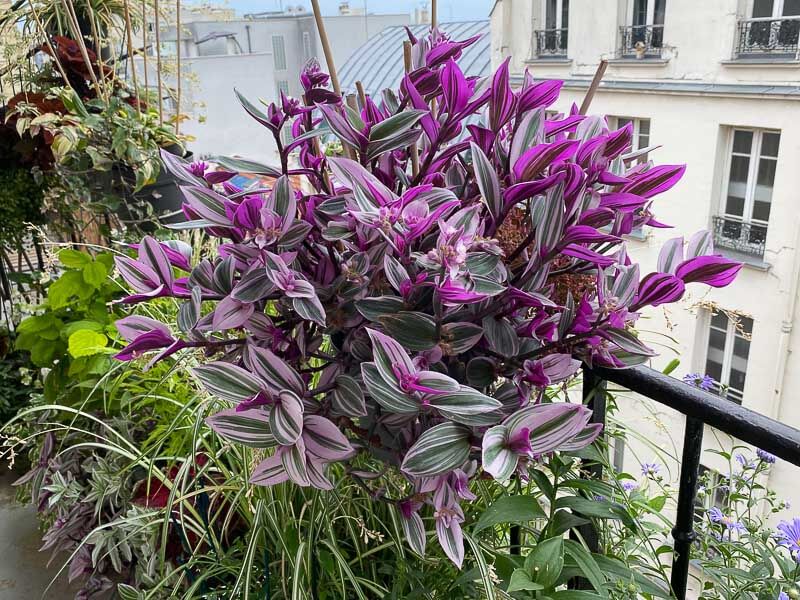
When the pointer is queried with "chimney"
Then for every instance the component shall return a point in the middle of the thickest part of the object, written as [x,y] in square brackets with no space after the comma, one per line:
[344,8]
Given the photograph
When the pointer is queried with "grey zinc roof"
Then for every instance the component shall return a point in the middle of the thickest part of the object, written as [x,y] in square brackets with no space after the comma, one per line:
[378,64]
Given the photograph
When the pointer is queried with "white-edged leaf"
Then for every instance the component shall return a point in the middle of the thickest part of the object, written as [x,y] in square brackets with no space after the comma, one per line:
[440,449]
[247,427]
[388,395]
[228,381]
[274,371]
[498,460]
[347,398]
[286,418]
[414,530]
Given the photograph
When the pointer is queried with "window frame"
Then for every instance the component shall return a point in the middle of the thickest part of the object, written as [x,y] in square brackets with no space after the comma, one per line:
[777,10]
[559,24]
[637,123]
[727,354]
[651,13]
[275,65]
[752,174]
[307,45]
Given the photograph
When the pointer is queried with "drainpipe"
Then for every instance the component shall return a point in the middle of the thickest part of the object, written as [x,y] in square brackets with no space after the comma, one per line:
[249,46]
[784,341]
[786,329]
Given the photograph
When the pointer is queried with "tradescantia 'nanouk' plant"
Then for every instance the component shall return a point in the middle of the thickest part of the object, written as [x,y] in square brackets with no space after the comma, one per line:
[414,312]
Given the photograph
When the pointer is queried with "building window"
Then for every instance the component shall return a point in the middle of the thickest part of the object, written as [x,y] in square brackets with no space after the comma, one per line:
[753,159]
[773,30]
[644,36]
[712,492]
[727,352]
[283,86]
[306,45]
[279,53]
[641,131]
[552,40]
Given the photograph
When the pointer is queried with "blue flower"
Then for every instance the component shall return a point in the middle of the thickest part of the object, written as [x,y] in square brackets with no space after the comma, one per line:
[783,596]
[704,382]
[742,460]
[766,457]
[789,536]
[650,469]
[630,486]
[717,516]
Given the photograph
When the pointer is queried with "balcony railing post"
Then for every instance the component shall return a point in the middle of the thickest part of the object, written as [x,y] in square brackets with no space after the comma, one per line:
[594,395]
[683,532]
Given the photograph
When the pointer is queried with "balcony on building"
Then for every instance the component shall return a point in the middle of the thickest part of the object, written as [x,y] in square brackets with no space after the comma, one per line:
[641,41]
[550,43]
[740,239]
[767,39]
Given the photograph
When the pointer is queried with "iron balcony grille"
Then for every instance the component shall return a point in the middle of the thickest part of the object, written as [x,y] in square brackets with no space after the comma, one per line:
[739,236]
[701,408]
[551,42]
[641,41]
[758,38]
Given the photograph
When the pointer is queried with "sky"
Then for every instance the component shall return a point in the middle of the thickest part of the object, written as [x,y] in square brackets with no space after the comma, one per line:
[449,10]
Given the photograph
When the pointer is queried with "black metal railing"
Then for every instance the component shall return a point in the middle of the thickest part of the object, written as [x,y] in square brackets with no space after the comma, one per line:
[759,38]
[701,408]
[551,42]
[739,236]
[641,41]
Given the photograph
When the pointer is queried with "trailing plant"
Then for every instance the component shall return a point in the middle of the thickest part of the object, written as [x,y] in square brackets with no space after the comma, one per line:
[400,324]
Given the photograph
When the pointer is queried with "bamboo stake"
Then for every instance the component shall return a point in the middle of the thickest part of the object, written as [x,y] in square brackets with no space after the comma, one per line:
[412,148]
[362,96]
[129,35]
[434,15]
[326,47]
[49,45]
[178,67]
[352,102]
[144,46]
[76,32]
[158,64]
[598,76]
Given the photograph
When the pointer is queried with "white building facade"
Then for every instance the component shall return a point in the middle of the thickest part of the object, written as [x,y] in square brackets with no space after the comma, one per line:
[716,84]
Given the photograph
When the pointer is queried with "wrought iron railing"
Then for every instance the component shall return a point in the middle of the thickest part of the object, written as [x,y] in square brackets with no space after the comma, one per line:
[739,236]
[759,38]
[641,41]
[701,408]
[551,42]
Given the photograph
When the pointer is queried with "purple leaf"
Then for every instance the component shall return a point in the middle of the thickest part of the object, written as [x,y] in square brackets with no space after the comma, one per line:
[138,275]
[658,288]
[249,427]
[269,471]
[502,100]
[230,314]
[341,126]
[535,160]
[286,418]
[152,254]
[541,94]
[655,181]
[455,89]
[716,271]
[671,255]
[324,440]
[274,371]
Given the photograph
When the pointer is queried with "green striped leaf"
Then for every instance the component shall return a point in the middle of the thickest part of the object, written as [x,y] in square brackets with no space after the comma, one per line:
[374,308]
[310,309]
[347,398]
[387,394]
[274,371]
[486,177]
[286,418]
[395,125]
[465,401]
[207,203]
[414,330]
[414,530]
[253,286]
[247,427]
[324,439]
[498,460]
[293,459]
[438,450]
[457,338]
[228,381]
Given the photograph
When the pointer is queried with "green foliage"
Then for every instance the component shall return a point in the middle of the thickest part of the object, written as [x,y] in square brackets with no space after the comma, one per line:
[71,331]
[20,203]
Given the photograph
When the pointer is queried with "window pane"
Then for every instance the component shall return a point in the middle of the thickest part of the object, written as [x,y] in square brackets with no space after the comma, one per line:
[550,15]
[791,8]
[714,369]
[644,126]
[762,8]
[720,321]
[763,191]
[770,142]
[737,185]
[564,14]
[746,325]
[659,11]
[619,454]
[738,372]
[278,53]
[644,141]
[639,12]
[742,141]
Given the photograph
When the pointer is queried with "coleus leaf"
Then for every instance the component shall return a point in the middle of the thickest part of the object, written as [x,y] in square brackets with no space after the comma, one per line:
[249,427]
[439,450]
[228,381]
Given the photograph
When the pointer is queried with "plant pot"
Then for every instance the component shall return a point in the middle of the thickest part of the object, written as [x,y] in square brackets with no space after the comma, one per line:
[164,196]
